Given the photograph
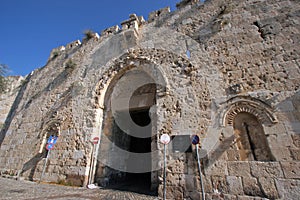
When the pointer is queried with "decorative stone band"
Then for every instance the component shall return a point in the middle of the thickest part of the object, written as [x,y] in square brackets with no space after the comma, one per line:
[250,105]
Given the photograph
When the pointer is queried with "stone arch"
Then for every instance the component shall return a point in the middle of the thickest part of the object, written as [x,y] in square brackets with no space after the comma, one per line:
[52,127]
[259,109]
[173,67]
[105,174]
[120,67]
[247,116]
[193,100]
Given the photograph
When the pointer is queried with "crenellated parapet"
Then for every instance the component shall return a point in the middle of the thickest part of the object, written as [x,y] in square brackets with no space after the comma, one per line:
[184,3]
[161,12]
[110,30]
[133,22]
[73,44]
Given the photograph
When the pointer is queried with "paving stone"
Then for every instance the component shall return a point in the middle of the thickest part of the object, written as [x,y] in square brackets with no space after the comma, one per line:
[12,189]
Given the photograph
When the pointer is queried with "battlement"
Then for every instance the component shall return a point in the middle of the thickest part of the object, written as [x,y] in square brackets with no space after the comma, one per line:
[134,22]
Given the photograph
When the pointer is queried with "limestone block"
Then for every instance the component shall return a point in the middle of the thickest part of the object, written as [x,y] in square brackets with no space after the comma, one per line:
[189,182]
[239,168]
[280,140]
[268,187]
[296,140]
[157,13]
[227,131]
[73,44]
[111,30]
[218,167]
[4,147]
[219,184]
[266,169]
[291,169]
[114,47]
[233,155]
[288,189]
[206,182]
[217,154]
[287,116]
[78,154]
[195,195]
[172,179]
[251,186]
[295,153]
[249,198]
[177,167]
[281,154]
[234,185]
[171,192]
[187,21]
[292,127]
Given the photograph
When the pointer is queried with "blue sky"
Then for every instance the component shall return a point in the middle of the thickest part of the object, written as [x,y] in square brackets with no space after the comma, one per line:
[30,29]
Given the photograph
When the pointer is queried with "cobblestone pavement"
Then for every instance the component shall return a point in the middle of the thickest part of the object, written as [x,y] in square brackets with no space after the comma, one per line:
[26,190]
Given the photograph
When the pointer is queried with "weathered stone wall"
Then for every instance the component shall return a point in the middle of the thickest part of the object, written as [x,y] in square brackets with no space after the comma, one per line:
[8,97]
[214,60]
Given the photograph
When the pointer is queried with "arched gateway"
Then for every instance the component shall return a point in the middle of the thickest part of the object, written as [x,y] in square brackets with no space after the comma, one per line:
[128,153]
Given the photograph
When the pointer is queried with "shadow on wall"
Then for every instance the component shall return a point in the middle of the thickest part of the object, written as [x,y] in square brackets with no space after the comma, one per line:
[213,156]
[55,83]
[289,106]
[32,164]
[13,109]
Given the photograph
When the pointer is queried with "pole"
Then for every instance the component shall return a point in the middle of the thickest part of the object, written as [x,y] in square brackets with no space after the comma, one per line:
[44,168]
[165,173]
[199,166]
[92,165]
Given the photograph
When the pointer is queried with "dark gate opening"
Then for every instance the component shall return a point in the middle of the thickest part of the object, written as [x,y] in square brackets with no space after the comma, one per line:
[136,182]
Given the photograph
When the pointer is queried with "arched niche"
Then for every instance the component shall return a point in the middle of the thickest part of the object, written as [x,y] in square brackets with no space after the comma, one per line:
[250,138]
[51,128]
[248,116]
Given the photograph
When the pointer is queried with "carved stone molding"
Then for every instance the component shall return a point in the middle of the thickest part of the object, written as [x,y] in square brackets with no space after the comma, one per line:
[259,109]
[151,61]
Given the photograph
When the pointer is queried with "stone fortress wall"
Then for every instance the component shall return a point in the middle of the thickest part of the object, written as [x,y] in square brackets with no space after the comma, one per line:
[229,72]
[8,97]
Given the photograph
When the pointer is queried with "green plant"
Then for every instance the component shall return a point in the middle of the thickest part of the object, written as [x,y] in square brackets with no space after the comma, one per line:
[55,54]
[70,65]
[89,34]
